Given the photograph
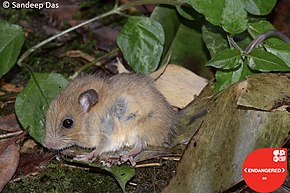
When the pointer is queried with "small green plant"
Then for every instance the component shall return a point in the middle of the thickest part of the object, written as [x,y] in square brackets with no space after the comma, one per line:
[227,29]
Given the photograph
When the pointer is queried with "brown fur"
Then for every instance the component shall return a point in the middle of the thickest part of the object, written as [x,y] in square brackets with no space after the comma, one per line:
[146,116]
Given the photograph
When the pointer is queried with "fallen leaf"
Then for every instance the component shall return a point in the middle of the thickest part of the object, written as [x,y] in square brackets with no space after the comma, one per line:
[9,123]
[31,163]
[4,143]
[64,13]
[11,87]
[120,67]
[9,160]
[105,36]
[229,131]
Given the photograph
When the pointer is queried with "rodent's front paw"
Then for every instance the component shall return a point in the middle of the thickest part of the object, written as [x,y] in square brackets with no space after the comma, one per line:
[90,157]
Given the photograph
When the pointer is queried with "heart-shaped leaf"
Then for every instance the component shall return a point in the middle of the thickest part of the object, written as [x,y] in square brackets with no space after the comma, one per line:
[141,41]
[211,9]
[227,59]
[234,17]
[31,104]
[122,173]
[11,41]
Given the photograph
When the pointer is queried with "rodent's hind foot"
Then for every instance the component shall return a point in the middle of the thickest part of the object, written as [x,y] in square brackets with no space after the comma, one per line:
[125,158]
[90,157]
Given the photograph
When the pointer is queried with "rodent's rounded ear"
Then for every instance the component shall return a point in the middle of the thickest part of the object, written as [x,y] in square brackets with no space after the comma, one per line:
[88,99]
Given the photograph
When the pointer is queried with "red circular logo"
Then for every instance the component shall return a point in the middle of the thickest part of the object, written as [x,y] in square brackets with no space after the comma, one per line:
[264,170]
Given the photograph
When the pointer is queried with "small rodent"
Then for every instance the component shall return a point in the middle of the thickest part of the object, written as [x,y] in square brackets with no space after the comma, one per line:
[107,114]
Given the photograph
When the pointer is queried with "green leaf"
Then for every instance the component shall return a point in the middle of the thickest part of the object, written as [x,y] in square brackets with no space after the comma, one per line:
[214,38]
[141,41]
[257,28]
[11,41]
[265,61]
[234,17]
[183,42]
[187,47]
[211,9]
[31,104]
[260,7]
[187,12]
[228,77]
[122,173]
[282,51]
[227,59]
[168,18]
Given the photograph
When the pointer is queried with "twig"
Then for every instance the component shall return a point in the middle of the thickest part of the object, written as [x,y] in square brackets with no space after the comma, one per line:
[28,52]
[6,135]
[115,10]
[172,158]
[147,165]
[132,184]
[95,62]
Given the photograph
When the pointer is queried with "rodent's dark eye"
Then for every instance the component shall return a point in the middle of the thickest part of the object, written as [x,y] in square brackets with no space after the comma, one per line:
[67,123]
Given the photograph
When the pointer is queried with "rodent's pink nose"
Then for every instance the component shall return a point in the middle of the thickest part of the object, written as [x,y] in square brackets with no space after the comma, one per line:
[47,144]
[51,143]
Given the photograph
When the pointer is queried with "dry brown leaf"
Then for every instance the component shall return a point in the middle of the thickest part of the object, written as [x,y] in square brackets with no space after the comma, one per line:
[178,85]
[31,163]
[9,161]
[29,146]
[11,87]
[4,143]
[9,123]
[64,13]
[235,123]
[120,67]
[105,36]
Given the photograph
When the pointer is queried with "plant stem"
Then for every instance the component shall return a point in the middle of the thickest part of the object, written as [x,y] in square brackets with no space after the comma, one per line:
[259,39]
[145,2]
[116,10]
[28,52]
[109,54]
[233,43]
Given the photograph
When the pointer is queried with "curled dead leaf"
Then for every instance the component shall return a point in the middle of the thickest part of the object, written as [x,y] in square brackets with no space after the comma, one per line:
[9,160]
[238,121]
